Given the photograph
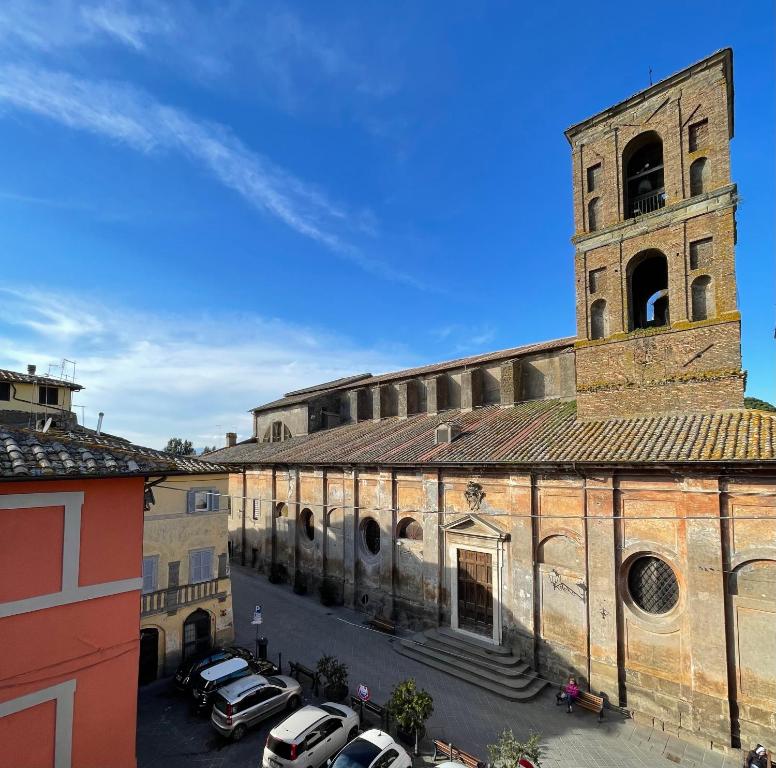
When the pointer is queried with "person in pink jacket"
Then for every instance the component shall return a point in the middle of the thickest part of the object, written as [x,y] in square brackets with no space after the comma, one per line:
[569,694]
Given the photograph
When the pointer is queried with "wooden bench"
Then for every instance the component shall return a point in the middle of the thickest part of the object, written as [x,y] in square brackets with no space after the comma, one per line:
[384,625]
[590,702]
[453,753]
[299,669]
[369,706]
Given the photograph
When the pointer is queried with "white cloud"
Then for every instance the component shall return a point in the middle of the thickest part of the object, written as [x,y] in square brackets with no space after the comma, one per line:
[133,118]
[156,376]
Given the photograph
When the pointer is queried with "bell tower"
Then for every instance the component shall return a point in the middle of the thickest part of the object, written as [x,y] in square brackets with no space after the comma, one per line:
[658,327]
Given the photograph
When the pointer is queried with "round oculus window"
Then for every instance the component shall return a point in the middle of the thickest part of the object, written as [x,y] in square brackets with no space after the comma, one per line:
[652,585]
[370,536]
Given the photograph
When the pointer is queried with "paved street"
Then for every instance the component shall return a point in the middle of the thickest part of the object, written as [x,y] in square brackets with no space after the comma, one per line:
[302,629]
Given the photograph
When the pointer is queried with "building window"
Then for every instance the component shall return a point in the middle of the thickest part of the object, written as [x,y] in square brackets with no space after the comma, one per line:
[5,390]
[48,395]
[281,510]
[370,536]
[150,573]
[643,165]
[597,279]
[699,177]
[594,177]
[256,509]
[409,528]
[307,524]
[701,253]
[698,135]
[200,565]
[599,320]
[652,585]
[276,432]
[648,282]
[594,214]
[702,298]
[203,500]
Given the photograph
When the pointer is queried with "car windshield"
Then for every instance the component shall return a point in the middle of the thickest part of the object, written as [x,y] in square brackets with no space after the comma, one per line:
[278,747]
[276,681]
[358,754]
[331,710]
[220,703]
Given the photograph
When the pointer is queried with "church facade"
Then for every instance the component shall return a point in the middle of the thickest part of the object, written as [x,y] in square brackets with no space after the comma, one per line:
[602,504]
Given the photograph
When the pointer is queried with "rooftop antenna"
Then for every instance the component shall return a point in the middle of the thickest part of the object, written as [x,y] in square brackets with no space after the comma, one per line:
[650,75]
[99,422]
[46,425]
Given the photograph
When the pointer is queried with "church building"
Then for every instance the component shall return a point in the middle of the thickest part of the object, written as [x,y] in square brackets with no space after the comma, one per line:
[602,504]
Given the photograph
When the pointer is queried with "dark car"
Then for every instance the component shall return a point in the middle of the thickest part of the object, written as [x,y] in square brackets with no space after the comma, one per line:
[192,666]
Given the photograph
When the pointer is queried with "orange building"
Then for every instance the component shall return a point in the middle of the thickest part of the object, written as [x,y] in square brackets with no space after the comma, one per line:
[71,553]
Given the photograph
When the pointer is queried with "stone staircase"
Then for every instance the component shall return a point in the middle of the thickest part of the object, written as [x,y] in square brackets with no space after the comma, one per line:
[488,666]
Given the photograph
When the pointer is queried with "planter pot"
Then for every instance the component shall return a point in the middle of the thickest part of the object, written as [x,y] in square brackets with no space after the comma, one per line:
[408,737]
[335,692]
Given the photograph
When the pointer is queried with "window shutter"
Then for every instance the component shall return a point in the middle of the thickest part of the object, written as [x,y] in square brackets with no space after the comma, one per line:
[190,498]
[222,566]
[207,565]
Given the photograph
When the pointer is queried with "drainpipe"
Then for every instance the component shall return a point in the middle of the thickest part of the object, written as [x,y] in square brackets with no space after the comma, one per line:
[244,508]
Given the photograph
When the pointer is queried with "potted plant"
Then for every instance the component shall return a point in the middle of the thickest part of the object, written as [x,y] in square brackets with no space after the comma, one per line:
[300,583]
[335,675]
[277,573]
[329,592]
[410,708]
[508,752]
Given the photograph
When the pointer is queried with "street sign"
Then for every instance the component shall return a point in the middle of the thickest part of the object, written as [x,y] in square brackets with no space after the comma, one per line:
[363,692]
[257,615]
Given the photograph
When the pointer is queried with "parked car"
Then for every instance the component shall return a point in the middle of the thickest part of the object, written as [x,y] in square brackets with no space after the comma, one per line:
[189,668]
[241,704]
[309,737]
[372,749]
[207,682]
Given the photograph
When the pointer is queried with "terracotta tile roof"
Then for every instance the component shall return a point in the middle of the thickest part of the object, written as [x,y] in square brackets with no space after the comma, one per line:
[534,432]
[26,378]
[367,380]
[26,453]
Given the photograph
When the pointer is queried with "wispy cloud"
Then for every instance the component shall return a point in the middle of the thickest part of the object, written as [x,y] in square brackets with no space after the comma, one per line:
[133,118]
[56,24]
[159,375]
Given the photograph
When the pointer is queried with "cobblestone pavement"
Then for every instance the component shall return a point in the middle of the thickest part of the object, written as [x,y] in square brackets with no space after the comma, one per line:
[302,630]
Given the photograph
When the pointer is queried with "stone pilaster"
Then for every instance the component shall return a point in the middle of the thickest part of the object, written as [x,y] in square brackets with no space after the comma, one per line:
[471,389]
[349,531]
[436,394]
[511,383]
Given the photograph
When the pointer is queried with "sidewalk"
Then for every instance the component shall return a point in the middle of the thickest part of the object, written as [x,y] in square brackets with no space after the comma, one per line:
[302,630]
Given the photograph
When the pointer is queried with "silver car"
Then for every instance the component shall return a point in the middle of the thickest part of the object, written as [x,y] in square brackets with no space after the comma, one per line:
[309,737]
[247,701]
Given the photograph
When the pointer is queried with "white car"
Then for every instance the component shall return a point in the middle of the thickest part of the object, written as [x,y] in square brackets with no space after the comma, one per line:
[309,737]
[372,749]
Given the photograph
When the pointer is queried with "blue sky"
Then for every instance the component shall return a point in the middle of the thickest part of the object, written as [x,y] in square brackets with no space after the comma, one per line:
[207,204]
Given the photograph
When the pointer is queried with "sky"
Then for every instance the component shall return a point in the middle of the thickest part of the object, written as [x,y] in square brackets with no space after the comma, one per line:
[207,204]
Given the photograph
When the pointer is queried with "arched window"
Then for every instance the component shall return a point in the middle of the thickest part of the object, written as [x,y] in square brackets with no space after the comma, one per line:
[599,320]
[409,528]
[702,298]
[276,432]
[699,176]
[594,214]
[648,288]
[370,536]
[307,524]
[642,162]
[281,510]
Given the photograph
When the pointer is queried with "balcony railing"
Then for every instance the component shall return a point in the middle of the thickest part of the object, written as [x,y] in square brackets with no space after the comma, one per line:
[647,203]
[175,597]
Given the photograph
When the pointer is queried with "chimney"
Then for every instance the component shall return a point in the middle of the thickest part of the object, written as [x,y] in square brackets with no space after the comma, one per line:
[471,389]
[231,439]
[31,370]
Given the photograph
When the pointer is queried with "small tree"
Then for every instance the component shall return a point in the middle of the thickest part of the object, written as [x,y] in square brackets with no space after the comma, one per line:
[508,751]
[178,447]
[335,674]
[410,708]
[208,449]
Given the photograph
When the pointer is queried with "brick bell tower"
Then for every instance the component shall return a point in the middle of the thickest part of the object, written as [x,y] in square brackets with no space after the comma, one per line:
[658,327]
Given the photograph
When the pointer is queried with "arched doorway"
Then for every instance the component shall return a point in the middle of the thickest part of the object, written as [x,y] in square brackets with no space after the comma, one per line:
[196,633]
[149,655]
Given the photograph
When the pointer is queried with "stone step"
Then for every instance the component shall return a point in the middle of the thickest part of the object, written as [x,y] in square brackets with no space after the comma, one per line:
[512,677]
[469,644]
[532,688]
[507,666]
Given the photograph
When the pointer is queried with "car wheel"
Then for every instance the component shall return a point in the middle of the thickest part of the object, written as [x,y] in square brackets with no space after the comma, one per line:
[353,733]
[293,703]
[238,732]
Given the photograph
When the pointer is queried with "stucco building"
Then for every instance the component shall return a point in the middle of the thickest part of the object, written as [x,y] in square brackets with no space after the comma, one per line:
[603,503]
[71,541]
